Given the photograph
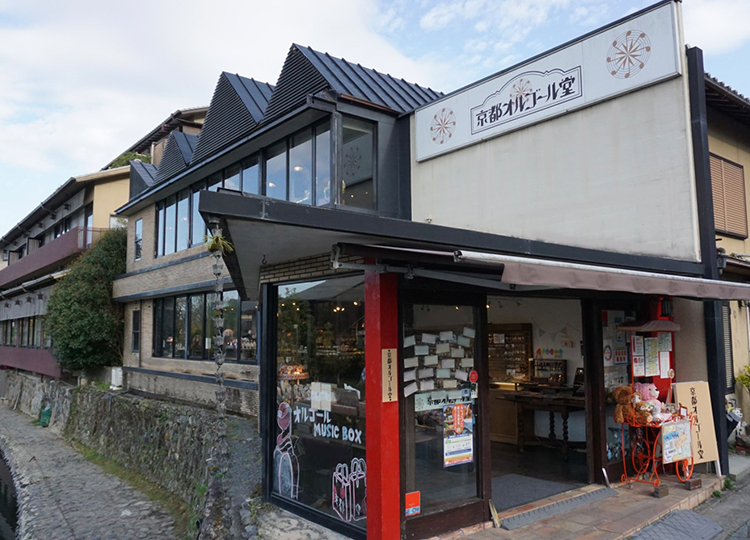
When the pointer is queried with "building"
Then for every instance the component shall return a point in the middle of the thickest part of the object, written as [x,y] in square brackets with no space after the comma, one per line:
[37,251]
[417,270]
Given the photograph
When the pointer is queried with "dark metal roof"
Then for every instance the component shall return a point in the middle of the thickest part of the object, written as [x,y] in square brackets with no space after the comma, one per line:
[724,98]
[177,155]
[142,177]
[308,72]
[237,107]
[173,121]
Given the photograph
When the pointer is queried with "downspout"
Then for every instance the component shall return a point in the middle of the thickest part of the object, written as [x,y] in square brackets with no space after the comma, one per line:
[712,313]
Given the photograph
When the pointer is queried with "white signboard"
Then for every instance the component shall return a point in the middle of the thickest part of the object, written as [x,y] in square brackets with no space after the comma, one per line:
[638,52]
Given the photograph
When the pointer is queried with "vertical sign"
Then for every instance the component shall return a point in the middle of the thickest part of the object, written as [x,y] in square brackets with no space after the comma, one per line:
[696,398]
[390,392]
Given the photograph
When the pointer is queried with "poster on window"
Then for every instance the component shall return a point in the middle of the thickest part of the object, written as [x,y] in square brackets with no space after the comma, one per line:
[458,434]
[652,357]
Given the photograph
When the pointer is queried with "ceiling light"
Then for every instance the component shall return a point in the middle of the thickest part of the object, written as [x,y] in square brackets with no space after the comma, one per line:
[297,168]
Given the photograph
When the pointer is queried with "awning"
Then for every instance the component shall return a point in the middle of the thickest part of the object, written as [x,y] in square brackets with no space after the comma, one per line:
[542,272]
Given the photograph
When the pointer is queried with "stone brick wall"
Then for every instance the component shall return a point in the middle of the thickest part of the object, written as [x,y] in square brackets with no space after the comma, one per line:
[311,268]
[29,394]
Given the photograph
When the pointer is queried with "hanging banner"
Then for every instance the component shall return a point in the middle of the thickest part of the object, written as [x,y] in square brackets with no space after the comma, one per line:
[458,434]
[389,383]
[696,398]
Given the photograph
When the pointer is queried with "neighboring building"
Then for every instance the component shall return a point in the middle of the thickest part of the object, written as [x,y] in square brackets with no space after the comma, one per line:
[728,114]
[38,249]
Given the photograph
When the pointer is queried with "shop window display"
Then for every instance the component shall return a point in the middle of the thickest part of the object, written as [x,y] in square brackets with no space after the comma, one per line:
[319,459]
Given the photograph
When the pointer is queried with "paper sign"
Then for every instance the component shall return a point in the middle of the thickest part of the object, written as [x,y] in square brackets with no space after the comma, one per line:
[665,341]
[409,389]
[664,364]
[442,348]
[469,332]
[438,395]
[636,345]
[430,360]
[652,356]
[695,396]
[409,341]
[446,336]
[429,338]
[461,375]
[411,362]
[457,353]
[458,439]
[410,375]
[676,444]
[389,383]
[412,503]
[450,383]
[443,373]
[455,394]
[421,350]
[426,373]
[448,363]
[639,366]
[463,341]
[467,362]
[320,396]
[427,384]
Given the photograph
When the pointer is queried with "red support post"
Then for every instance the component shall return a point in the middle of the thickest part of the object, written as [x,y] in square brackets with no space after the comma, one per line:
[382,431]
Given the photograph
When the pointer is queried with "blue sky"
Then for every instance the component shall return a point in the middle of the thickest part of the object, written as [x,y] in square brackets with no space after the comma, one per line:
[82,80]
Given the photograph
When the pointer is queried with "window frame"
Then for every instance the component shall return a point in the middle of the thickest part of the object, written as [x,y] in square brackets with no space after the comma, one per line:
[138,239]
[735,200]
[135,331]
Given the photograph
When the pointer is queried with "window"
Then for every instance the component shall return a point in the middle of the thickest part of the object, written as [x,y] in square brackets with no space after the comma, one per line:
[300,168]
[197,319]
[170,214]
[183,217]
[276,171]
[160,224]
[320,398]
[251,175]
[88,223]
[323,165]
[728,186]
[232,177]
[135,333]
[726,319]
[138,239]
[249,331]
[198,226]
[358,168]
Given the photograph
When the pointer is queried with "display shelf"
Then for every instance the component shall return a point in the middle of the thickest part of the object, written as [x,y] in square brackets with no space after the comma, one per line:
[552,371]
[509,351]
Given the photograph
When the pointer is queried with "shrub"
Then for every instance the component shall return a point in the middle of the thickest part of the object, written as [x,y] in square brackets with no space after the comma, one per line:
[85,324]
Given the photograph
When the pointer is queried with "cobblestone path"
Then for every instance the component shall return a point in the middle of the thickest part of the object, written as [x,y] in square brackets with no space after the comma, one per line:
[64,497]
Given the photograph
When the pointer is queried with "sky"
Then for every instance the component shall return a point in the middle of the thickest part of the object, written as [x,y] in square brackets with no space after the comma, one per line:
[82,80]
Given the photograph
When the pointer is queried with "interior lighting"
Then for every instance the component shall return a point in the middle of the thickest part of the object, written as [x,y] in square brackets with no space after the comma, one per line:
[297,168]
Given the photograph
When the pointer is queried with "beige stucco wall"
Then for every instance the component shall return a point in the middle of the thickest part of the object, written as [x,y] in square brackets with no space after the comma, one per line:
[617,176]
[108,197]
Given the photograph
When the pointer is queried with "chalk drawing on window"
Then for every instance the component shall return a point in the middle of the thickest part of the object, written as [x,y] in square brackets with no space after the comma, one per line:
[286,465]
[350,490]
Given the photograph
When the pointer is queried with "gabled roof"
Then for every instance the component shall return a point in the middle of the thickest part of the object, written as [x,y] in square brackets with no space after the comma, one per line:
[724,98]
[177,155]
[237,107]
[179,118]
[307,72]
[142,177]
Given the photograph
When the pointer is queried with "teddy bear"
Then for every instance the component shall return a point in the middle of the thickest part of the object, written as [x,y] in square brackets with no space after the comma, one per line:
[623,396]
[650,394]
[642,412]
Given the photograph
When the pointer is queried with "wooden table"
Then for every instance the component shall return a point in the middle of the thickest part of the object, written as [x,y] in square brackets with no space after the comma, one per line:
[554,403]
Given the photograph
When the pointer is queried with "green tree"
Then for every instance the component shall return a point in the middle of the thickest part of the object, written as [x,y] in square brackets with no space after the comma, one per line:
[85,324]
[123,159]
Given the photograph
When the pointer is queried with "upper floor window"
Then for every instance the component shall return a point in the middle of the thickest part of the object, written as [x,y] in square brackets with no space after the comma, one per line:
[358,167]
[138,239]
[728,186]
[135,333]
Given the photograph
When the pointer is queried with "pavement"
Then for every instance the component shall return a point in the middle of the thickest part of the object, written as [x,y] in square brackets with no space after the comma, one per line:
[64,497]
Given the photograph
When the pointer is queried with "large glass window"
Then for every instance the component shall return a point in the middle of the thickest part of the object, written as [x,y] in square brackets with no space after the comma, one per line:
[197,316]
[168,327]
[198,226]
[231,323]
[323,165]
[251,175]
[180,325]
[300,168]
[276,171]
[440,400]
[170,214]
[320,459]
[249,331]
[232,177]
[358,167]
[160,224]
[135,341]
[183,217]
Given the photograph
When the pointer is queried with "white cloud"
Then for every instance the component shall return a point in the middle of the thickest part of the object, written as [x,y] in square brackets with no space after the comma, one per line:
[717,26]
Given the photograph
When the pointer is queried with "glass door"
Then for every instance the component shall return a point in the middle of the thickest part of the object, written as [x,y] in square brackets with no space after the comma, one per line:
[442,434]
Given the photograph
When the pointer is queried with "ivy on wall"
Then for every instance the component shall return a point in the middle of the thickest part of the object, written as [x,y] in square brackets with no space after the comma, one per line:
[85,324]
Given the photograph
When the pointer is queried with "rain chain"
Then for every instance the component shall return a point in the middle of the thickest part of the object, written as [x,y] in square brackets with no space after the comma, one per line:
[222,447]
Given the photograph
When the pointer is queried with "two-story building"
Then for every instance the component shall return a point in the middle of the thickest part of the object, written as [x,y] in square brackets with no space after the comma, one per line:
[417,346]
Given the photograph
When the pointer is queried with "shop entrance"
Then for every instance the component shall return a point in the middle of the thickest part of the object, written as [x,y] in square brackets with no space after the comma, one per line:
[537,398]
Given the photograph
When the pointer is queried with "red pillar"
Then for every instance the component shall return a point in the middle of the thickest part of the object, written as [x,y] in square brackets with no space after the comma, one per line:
[382,432]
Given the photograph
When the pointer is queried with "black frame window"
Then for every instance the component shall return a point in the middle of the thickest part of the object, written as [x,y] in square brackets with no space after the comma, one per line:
[135,331]
[138,239]
[358,164]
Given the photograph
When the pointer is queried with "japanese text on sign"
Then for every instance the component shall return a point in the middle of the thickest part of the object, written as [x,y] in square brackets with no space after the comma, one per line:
[390,391]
